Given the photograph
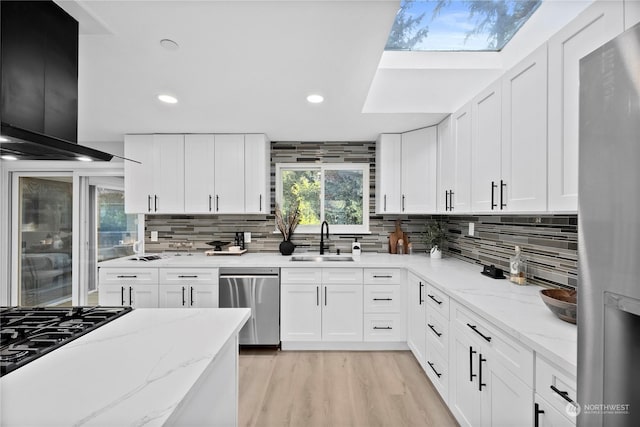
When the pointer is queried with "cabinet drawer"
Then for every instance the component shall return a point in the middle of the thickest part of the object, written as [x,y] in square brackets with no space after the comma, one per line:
[437,333]
[548,376]
[171,276]
[118,276]
[294,276]
[437,368]
[551,417]
[342,276]
[437,300]
[381,276]
[503,349]
[384,327]
[382,299]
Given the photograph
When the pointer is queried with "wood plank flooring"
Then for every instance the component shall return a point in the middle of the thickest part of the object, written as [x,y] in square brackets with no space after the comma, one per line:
[335,389]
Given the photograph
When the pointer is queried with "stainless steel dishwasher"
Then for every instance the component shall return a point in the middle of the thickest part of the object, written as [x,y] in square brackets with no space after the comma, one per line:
[258,289]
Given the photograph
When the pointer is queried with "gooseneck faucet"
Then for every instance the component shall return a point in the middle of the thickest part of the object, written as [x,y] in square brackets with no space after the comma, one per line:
[322,236]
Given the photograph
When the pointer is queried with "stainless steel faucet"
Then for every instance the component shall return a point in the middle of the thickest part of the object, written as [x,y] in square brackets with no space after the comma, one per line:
[322,236]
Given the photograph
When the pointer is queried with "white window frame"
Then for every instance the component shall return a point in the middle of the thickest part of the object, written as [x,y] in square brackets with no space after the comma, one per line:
[333,228]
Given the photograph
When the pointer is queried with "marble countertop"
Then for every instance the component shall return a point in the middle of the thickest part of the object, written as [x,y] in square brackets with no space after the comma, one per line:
[518,310]
[134,370]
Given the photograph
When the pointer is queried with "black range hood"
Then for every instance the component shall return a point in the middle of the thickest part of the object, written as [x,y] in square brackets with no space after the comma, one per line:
[28,145]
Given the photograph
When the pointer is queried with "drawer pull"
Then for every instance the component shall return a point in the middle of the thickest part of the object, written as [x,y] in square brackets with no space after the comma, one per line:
[434,298]
[187,277]
[434,369]
[480,383]
[183,300]
[564,395]
[471,374]
[439,334]
[382,277]
[192,296]
[383,299]
[122,294]
[382,327]
[127,276]
[475,329]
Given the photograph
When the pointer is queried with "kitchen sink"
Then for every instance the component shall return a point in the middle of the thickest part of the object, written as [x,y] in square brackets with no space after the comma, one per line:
[321,258]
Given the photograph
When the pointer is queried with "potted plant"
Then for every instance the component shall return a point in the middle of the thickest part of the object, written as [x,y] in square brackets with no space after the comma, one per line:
[287,223]
[434,237]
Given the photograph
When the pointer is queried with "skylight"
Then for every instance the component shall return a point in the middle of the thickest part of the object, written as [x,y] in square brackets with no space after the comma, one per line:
[458,25]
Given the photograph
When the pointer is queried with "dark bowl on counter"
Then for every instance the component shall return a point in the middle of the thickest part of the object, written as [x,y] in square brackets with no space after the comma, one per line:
[561,302]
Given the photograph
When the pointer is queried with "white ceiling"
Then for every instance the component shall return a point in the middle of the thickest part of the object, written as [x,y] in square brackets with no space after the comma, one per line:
[247,66]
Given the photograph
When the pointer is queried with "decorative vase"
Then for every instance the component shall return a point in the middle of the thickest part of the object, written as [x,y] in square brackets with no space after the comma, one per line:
[436,253]
[286,247]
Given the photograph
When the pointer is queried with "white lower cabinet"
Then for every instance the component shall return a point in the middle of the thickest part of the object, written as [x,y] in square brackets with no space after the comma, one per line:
[548,416]
[329,312]
[194,287]
[555,395]
[416,325]
[133,295]
[384,316]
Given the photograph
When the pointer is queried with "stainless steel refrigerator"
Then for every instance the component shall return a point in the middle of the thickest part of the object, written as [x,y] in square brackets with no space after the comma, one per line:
[609,235]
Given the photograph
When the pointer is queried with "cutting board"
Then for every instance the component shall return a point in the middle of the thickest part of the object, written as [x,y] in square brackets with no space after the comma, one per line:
[395,236]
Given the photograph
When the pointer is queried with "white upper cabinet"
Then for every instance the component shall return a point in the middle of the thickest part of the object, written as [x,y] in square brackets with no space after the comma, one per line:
[257,172]
[524,134]
[148,186]
[388,162]
[460,199]
[406,172]
[598,24]
[229,174]
[486,145]
[631,13]
[199,178]
[446,164]
[419,171]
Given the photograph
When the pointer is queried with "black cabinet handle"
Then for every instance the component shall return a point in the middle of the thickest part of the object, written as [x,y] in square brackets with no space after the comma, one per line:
[383,299]
[446,200]
[155,203]
[439,334]
[122,294]
[210,202]
[471,374]
[191,296]
[420,293]
[434,369]
[382,327]
[217,203]
[149,203]
[475,329]
[451,200]
[260,204]
[183,300]
[186,276]
[130,295]
[434,299]
[480,360]
[403,203]
[127,276]
[317,295]
[385,202]
[502,186]
[325,295]
[564,395]
[536,411]
[493,187]
[382,277]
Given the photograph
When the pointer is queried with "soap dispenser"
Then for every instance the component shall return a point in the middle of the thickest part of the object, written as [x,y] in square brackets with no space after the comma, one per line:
[356,249]
[518,268]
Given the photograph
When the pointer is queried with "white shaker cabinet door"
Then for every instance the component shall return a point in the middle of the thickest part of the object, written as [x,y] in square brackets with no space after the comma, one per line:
[464,398]
[506,401]
[446,164]
[419,171]
[203,296]
[524,134]
[342,318]
[173,296]
[168,176]
[460,200]
[229,174]
[598,24]
[199,176]
[138,177]
[416,319]
[388,164]
[143,296]
[113,295]
[257,172]
[300,313]
[486,139]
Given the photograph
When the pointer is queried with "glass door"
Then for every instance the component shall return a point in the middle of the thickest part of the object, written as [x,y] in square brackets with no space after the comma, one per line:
[45,235]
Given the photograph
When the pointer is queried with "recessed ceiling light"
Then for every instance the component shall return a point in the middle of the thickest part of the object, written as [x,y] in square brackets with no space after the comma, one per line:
[84,159]
[3,139]
[8,157]
[169,44]
[168,99]
[315,98]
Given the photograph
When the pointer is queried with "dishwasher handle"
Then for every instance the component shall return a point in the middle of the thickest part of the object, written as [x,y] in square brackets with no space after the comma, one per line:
[247,276]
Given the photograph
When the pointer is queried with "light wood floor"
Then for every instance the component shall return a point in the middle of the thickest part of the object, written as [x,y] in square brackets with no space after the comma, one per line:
[335,389]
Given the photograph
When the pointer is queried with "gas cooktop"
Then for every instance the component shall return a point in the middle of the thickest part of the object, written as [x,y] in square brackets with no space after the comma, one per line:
[27,333]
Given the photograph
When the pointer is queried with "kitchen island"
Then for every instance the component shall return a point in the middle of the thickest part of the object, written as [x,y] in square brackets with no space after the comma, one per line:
[150,367]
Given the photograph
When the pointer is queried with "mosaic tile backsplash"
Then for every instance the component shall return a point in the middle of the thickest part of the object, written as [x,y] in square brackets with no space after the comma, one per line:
[549,242]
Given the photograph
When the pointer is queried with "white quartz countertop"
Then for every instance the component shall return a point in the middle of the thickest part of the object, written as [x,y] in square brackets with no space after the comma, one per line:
[134,370]
[518,310]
